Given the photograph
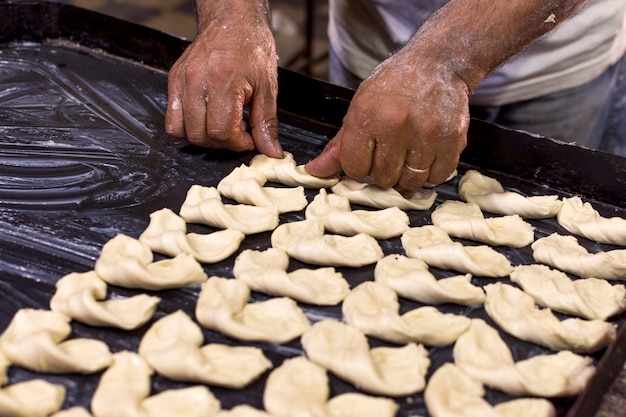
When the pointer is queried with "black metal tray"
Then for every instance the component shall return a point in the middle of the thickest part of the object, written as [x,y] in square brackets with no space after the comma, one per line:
[83,157]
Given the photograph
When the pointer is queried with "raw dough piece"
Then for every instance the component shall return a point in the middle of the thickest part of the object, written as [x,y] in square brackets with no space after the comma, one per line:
[483,355]
[344,351]
[33,398]
[487,192]
[72,412]
[566,254]
[127,262]
[4,366]
[35,340]
[432,245]
[80,295]
[286,171]
[305,241]
[516,313]
[245,185]
[338,217]
[583,220]
[223,306]
[410,278]
[589,298]
[451,393]
[204,205]
[167,234]
[300,388]
[371,195]
[466,221]
[266,272]
[124,391]
[373,308]
[173,347]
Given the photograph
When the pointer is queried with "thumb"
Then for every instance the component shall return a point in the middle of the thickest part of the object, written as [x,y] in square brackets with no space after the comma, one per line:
[328,162]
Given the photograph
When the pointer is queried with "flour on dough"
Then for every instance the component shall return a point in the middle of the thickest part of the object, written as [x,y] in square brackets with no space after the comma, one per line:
[286,171]
[583,219]
[204,205]
[82,297]
[174,347]
[127,262]
[338,217]
[223,305]
[590,298]
[566,254]
[266,272]
[371,195]
[516,313]
[434,246]
[35,340]
[344,351]
[36,397]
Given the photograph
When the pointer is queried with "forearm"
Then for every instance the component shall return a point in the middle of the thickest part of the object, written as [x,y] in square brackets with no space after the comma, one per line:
[231,14]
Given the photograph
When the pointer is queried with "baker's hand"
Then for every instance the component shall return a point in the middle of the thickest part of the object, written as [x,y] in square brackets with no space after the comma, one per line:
[228,66]
[407,125]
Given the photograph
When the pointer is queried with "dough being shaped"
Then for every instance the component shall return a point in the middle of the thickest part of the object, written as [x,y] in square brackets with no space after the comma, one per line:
[516,313]
[432,245]
[299,387]
[483,355]
[124,391]
[76,411]
[371,195]
[344,351]
[173,347]
[204,205]
[34,340]
[410,278]
[245,185]
[583,220]
[286,171]
[466,221]
[373,308]
[452,393]
[167,234]
[488,193]
[305,241]
[31,399]
[266,272]
[80,295]
[223,306]
[338,217]
[127,262]
[566,254]
[589,298]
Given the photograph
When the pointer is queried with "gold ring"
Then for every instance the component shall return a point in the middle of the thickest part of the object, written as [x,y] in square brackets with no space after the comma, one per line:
[416,170]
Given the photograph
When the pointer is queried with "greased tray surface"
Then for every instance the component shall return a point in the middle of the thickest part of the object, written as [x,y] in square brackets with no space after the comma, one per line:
[83,157]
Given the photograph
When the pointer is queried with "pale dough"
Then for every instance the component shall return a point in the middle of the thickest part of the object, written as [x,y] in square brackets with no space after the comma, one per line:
[300,388]
[245,185]
[173,346]
[338,217]
[583,220]
[81,296]
[371,195]
[488,193]
[566,254]
[483,355]
[434,246]
[167,234]
[32,398]
[35,340]
[344,351]
[590,298]
[4,366]
[127,262]
[305,241]
[286,171]
[266,272]
[204,205]
[410,278]
[373,308]
[516,313]
[77,411]
[223,305]
[452,393]
[466,221]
